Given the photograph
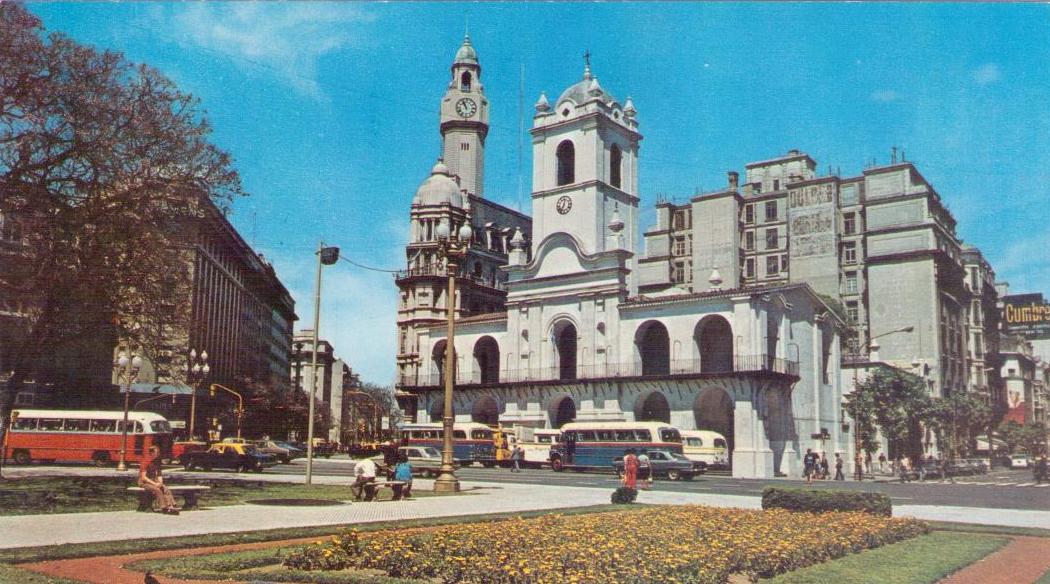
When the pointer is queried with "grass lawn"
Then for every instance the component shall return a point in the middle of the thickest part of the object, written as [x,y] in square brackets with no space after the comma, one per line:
[927,558]
[13,575]
[37,495]
[1044,580]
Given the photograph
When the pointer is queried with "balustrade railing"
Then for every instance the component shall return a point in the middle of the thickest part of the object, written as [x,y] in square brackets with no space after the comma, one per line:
[443,272]
[740,364]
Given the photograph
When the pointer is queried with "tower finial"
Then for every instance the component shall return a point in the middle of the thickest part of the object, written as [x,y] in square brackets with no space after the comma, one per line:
[466,28]
[587,64]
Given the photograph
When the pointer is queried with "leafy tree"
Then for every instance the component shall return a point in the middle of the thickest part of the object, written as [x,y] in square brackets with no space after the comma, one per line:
[369,411]
[957,420]
[102,163]
[1034,437]
[896,403]
[1012,435]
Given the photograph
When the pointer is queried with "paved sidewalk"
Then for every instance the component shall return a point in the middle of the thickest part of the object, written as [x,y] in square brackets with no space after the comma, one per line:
[1022,561]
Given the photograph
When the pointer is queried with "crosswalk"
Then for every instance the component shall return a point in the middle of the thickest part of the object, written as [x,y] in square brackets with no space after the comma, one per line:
[990,483]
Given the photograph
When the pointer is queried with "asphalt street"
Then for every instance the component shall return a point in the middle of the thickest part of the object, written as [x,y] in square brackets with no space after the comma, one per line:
[1005,489]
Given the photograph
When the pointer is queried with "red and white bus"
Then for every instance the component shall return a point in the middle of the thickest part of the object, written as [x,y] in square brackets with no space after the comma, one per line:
[89,436]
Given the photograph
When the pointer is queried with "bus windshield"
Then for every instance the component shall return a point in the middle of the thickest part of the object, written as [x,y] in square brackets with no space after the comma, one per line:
[160,426]
[670,435]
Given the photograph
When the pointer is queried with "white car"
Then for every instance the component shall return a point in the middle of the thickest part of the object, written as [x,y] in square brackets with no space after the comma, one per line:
[1018,461]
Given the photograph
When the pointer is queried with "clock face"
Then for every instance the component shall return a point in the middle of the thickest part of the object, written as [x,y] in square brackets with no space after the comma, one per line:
[466,107]
[564,205]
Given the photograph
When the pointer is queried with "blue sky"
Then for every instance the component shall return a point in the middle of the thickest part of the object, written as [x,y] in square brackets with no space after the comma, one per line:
[330,111]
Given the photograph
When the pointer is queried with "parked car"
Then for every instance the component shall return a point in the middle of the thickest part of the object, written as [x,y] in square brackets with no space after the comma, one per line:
[180,448]
[668,464]
[425,460]
[238,457]
[1019,461]
[293,450]
[283,455]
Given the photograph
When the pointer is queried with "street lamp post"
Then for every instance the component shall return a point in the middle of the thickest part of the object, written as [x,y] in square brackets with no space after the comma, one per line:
[858,468]
[326,256]
[127,369]
[198,370]
[452,247]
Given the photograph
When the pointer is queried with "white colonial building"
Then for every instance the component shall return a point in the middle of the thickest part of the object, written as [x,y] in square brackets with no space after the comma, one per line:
[573,339]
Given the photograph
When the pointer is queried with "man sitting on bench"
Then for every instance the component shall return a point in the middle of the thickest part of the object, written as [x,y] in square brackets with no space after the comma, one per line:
[151,480]
[403,474]
[364,473]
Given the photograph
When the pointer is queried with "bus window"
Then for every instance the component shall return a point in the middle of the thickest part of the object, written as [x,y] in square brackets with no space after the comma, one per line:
[103,425]
[77,425]
[160,426]
[585,436]
[670,435]
[133,427]
[459,435]
[624,436]
[480,435]
[51,424]
[642,436]
[720,443]
[25,424]
[694,442]
[605,435]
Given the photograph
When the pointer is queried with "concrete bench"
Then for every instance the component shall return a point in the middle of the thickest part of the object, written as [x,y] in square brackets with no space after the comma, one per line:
[189,494]
[372,489]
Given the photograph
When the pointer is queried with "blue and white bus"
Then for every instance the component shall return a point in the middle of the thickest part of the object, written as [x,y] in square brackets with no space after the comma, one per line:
[594,445]
[471,442]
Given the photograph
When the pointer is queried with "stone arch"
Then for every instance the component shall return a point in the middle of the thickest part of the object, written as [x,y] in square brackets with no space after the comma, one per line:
[486,359]
[464,81]
[653,348]
[485,410]
[713,410]
[615,164]
[437,361]
[566,163]
[563,340]
[652,407]
[562,410]
[713,337]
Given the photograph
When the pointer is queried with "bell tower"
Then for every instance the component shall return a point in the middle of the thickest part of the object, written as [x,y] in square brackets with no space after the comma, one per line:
[465,121]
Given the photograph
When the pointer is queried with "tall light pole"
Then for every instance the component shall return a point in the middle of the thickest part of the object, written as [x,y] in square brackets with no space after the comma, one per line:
[198,370]
[858,468]
[127,369]
[452,247]
[240,403]
[326,256]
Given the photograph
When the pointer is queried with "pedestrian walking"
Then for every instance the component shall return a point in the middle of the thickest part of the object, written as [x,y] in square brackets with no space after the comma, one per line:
[903,469]
[824,474]
[630,469]
[364,473]
[516,455]
[645,470]
[150,479]
[882,462]
[1041,470]
[867,462]
[808,464]
[838,468]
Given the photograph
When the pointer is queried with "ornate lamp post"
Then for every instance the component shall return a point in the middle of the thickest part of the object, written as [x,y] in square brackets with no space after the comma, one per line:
[452,247]
[858,468]
[198,370]
[127,370]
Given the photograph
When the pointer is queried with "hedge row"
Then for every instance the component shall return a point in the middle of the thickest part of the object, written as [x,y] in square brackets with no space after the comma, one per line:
[821,501]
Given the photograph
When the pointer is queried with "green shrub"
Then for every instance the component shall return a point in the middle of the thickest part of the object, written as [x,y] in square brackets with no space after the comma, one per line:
[337,553]
[821,501]
[624,495]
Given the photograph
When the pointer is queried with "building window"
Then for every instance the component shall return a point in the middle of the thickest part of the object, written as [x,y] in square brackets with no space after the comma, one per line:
[682,219]
[749,214]
[849,253]
[464,146]
[679,273]
[464,81]
[679,248]
[772,265]
[849,223]
[851,283]
[771,238]
[566,155]
[771,211]
[784,263]
[749,240]
[776,184]
[749,267]
[852,312]
[615,161]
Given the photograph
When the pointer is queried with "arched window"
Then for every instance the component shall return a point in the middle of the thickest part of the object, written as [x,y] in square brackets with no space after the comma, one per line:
[615,162]
[654,348]
[566,163]
[486,360]
[714,343]
[565,347]
[464,81]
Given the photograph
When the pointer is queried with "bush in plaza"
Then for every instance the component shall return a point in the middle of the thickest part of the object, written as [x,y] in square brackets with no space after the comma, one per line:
[687,544]
[822,501]
[624,495]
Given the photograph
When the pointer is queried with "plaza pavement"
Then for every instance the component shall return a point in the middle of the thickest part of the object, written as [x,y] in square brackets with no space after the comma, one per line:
[55,529]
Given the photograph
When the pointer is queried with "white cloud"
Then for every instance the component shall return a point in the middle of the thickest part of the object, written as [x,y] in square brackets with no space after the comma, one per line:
[284,39]
[884,95]
[987,74]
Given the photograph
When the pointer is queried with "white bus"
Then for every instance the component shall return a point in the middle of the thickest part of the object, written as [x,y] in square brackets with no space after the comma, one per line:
[706,446]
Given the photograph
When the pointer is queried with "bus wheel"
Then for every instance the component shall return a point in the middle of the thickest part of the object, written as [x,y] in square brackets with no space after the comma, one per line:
[21,457]
[556,465]
[674,475]
[100,458]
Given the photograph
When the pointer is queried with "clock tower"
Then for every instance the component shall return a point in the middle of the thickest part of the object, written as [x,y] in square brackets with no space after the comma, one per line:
[465,121]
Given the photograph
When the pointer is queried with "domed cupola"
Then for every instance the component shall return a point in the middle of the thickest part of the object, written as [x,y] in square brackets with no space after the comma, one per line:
[585,90]
[466,55]
[439,188]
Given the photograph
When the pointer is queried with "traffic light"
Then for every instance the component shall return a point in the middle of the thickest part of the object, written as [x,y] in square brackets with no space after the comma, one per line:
[211,390]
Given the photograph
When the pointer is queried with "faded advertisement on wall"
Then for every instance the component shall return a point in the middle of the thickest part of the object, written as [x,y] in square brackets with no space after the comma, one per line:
[1027,315]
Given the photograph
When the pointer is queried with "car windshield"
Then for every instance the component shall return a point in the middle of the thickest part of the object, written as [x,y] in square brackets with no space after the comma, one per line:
[676,456]
[431,452]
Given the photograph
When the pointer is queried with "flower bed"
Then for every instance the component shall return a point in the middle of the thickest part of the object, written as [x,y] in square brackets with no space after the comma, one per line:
[686,544]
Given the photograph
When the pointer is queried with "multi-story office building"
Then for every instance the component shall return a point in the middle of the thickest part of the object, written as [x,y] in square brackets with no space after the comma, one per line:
[330,382]
[868,242]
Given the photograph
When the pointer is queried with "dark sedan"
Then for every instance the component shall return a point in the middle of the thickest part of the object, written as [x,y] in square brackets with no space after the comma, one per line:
[238,457]
[668,464]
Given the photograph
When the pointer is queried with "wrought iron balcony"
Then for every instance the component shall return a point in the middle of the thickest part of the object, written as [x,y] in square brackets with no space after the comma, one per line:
[442,272]
[741,365]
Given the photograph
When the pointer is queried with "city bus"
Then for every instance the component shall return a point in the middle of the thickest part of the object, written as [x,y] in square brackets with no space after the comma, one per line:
[84,436]
[594,445]
[706,446]
[471,442]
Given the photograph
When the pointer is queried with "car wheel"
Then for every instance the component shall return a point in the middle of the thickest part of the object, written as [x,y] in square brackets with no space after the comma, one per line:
[21,457]
[556,465]
[674,475]
[100,458]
